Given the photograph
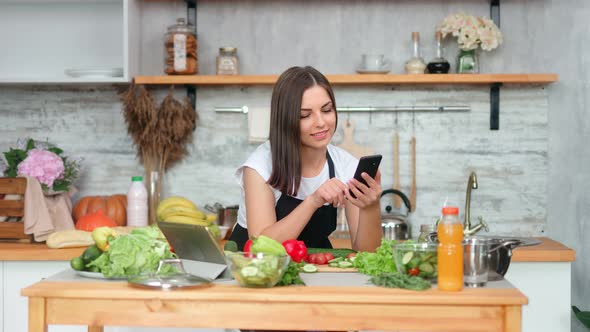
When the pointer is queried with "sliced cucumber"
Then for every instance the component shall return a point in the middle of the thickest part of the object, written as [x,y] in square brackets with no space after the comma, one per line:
[344,264]
[336,260]
[249,271]
[407,257]
[309,268]
[426,267]
[333,264]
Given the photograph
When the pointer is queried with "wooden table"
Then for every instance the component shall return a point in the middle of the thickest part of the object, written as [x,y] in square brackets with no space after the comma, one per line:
[98,304]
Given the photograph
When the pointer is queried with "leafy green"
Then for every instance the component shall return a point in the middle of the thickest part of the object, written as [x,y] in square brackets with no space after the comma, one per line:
[583,316]
[375,263]
[398,280]
[291,275]
[137,252]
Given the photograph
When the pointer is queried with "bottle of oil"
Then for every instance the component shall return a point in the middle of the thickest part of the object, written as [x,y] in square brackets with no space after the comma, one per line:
[450,250]
[438,65]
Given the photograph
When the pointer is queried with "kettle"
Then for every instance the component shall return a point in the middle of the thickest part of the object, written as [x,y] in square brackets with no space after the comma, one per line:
[396,225]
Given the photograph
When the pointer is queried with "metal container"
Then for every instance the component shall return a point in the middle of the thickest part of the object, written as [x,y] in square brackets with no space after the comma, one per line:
[476,258]
[500,252]
[395,224]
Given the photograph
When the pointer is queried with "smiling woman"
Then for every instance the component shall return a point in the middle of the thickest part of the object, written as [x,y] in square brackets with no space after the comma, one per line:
[293,184]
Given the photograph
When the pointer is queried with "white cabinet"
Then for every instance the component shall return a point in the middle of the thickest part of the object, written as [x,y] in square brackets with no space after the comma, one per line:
[18,275]
[548,287]
[92,40]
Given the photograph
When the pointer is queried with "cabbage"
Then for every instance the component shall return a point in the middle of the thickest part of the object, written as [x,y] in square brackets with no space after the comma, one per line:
[135,253]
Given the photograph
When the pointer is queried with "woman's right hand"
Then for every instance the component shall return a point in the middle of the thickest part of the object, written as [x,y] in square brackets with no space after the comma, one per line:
[331,192]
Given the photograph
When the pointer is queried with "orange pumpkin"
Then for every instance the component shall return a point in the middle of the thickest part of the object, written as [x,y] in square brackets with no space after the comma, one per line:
[114,206]
[95,219]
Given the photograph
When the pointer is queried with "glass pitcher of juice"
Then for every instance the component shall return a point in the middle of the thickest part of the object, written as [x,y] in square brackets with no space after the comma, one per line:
[450,250]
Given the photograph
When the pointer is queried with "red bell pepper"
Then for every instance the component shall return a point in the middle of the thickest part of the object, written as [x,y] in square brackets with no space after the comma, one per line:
[247,246]
[296,249]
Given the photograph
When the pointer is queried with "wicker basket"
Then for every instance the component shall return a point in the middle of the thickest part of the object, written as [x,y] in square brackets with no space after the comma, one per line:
[13,208]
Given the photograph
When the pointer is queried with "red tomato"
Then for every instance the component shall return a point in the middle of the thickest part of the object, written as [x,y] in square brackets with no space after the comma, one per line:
[320,259]
[351,255]
[413,271]
[329,256]
[311,258]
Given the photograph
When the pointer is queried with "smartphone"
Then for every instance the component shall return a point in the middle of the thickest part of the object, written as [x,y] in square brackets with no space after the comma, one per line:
[369,165]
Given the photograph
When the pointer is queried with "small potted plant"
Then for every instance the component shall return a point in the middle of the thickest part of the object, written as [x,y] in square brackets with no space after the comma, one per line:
[471,32]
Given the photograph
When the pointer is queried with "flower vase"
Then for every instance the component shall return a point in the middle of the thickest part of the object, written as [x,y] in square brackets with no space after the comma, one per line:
[467,62]
[155,188]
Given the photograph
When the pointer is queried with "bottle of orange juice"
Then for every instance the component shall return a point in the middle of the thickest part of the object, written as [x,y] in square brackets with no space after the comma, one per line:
[450,250]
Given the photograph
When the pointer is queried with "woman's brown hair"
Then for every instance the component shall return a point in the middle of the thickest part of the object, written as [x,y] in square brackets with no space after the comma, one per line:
[285,110]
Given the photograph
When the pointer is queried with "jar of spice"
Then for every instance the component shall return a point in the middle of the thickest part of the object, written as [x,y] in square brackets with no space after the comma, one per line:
[227,61]
[180,45]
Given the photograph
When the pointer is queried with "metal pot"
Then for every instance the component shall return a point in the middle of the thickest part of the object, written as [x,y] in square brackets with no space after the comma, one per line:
[395,224]
[500,252]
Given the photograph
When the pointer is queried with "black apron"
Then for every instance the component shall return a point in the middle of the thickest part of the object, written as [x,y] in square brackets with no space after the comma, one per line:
[315,233]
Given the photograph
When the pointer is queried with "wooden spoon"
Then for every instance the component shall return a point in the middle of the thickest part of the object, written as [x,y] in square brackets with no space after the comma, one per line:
[397,201]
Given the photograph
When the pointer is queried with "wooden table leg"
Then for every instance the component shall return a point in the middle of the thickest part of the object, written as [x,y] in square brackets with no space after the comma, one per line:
[513,319]
[37,318]
[95,329]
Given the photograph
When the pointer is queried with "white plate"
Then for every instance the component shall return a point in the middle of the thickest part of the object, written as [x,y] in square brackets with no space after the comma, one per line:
[365,71]
[94,72]
[97,275]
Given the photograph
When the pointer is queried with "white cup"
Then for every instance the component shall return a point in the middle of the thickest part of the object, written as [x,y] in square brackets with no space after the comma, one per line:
[374,62]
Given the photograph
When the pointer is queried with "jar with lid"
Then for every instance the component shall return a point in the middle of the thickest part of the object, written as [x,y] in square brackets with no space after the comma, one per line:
[227,61]
[180,46]
[425,230]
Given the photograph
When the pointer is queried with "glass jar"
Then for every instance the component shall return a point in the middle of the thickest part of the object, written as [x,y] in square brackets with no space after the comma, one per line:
[227,61]
[180,47]
[425,229]
[467,62]
[415,65]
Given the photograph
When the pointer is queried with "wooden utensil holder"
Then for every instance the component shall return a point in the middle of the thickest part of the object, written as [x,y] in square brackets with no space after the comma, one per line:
[13,230]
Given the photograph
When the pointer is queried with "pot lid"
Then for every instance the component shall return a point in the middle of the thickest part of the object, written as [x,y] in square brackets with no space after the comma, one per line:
[170,281]
[166,281]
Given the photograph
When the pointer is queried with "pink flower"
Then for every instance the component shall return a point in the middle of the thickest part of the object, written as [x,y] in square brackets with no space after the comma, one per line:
[44,165]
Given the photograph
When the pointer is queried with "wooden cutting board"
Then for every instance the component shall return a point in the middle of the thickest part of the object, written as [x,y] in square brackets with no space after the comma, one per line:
[326,268]
[348,143]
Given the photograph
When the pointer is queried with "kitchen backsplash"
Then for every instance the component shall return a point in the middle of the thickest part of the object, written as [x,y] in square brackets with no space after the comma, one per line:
[511,164]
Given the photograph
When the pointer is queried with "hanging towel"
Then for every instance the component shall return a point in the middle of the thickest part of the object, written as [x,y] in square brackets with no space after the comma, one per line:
[46,214]
[258,124]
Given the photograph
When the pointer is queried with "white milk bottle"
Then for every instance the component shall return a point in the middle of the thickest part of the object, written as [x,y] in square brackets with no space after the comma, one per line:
[137,203]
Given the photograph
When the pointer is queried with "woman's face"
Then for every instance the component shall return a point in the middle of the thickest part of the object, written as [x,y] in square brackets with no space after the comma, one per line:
[317,118]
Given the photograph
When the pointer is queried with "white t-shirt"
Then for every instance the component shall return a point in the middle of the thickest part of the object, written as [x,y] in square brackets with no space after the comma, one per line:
[261,161]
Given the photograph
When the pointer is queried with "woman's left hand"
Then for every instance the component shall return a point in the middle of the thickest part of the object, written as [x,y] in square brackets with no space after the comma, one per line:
[366,195]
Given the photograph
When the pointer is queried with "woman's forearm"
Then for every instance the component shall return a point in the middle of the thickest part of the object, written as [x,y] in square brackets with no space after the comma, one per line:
[292,225]
[369,233]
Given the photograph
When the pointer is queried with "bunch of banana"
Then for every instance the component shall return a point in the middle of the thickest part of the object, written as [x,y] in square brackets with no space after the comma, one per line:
[180,210]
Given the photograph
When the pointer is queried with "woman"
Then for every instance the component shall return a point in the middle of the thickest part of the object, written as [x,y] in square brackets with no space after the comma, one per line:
[293,184]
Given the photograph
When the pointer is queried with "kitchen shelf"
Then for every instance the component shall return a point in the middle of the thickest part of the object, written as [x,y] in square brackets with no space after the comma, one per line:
[353,79]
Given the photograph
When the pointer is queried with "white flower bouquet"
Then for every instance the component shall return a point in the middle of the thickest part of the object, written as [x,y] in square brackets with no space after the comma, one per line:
[472,31]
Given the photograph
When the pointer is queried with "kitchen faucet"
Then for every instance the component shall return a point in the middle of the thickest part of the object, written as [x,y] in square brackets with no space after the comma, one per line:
[467,229]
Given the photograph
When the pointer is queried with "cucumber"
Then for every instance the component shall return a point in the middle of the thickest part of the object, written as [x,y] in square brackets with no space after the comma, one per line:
[336,260]
[337,252]
[333,264]
[426,267]
[344,264]
[249,271]
[309,268]
[407,257]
